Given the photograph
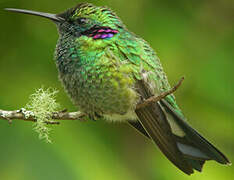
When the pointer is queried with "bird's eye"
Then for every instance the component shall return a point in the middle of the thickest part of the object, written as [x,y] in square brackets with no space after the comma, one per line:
[82,21]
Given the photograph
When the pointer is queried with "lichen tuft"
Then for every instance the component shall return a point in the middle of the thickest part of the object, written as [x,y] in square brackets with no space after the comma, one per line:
[42,103]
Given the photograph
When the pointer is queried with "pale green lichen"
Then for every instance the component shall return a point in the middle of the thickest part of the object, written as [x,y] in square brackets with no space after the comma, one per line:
[42,103]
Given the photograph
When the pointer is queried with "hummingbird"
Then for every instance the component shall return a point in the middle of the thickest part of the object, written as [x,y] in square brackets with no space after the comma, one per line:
[107,70]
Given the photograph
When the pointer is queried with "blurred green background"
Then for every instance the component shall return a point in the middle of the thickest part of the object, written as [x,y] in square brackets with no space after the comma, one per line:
[193,38]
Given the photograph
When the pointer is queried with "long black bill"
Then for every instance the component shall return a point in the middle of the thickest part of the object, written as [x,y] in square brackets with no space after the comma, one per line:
[50,16]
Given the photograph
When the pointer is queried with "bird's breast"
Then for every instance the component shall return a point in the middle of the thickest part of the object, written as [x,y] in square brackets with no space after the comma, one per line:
[97,83]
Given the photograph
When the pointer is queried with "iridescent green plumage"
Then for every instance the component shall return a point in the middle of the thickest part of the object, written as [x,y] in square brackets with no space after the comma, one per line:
[107,70]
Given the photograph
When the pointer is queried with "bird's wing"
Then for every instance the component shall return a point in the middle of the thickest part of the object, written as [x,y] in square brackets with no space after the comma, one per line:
[163,121]
[142,57]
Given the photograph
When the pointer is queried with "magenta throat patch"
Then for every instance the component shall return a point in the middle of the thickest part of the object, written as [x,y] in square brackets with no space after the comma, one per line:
[100,32]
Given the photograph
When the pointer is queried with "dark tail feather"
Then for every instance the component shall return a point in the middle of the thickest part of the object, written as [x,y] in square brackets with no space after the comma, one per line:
[137,125]
[196,164]
[179,142]
[154,121]
[194,139]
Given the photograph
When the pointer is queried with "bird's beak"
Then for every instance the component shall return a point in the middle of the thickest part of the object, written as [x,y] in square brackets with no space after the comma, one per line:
[52,17]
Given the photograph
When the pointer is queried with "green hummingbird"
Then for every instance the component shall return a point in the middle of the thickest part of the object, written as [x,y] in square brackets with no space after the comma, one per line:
[107,70]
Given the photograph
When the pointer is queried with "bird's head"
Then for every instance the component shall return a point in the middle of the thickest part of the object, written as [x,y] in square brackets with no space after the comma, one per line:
[83,20]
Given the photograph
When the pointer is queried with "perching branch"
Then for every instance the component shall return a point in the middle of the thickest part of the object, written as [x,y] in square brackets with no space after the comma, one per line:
[154,99]
[28,116]
[63,115]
